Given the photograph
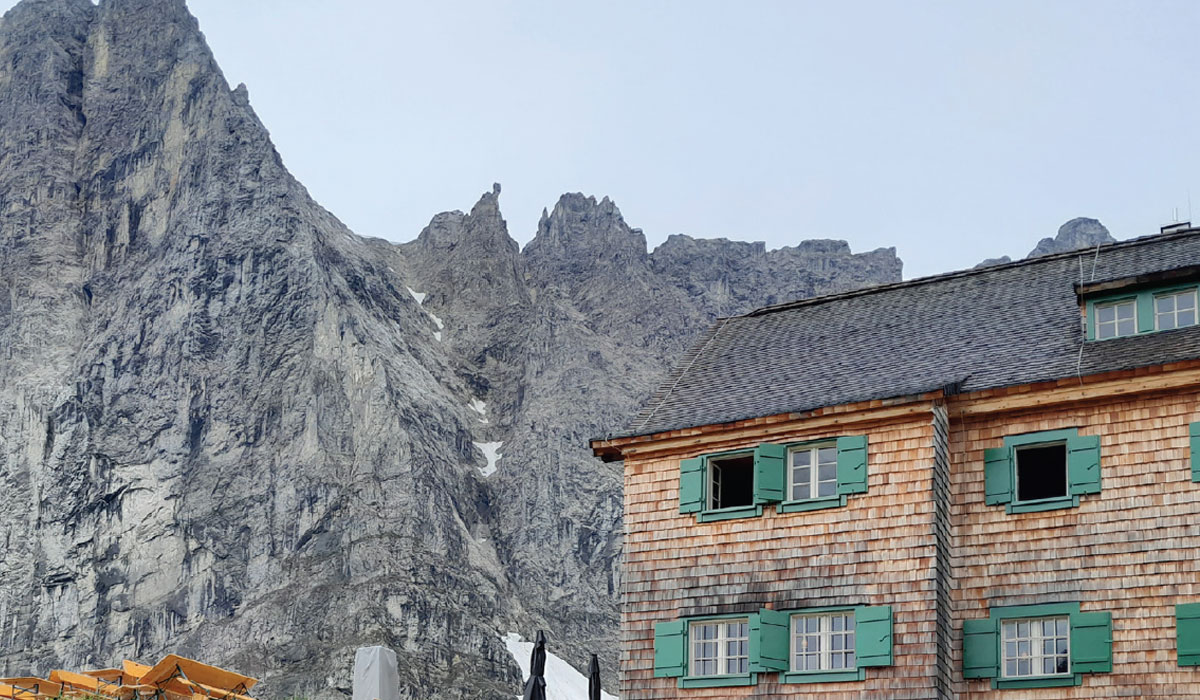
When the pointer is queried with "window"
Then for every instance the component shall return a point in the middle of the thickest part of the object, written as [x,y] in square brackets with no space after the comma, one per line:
[720,647]
[812,472]
[731,651]
[1116,319]
[737,484]
[823,642]
[1175,310]
[1041,472]
[1139,311]
[731,481]
[1036,647]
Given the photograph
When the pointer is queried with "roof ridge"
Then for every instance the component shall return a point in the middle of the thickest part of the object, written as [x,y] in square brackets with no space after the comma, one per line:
[955,274]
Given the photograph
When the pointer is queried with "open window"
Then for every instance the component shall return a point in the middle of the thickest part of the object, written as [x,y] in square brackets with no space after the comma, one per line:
[731,481]
[1041,472]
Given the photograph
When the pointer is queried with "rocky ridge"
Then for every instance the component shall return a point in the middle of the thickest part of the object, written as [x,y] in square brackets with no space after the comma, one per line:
[231,428]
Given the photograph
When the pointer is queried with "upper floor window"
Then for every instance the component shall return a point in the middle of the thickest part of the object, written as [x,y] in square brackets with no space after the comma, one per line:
[720,647]
[812,472]
[731,481]
[1036,647]
[1041,472]
[1116,318]
[823,642]
[1175,310]
[1131,312]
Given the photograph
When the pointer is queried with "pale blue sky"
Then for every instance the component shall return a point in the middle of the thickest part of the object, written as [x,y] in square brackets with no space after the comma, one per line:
[954,131]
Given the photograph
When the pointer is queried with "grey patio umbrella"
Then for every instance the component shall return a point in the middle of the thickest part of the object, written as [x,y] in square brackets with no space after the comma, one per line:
[535,687]
[594,679]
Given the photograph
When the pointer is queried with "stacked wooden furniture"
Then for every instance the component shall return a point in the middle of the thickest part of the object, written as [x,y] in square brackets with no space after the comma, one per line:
[172,678]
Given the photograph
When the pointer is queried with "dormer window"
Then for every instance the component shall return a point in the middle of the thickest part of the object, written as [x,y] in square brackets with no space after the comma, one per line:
[1116,318]
[1175,310]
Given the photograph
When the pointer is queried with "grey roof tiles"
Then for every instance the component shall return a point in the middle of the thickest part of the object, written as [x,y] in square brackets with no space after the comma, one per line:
[998,326]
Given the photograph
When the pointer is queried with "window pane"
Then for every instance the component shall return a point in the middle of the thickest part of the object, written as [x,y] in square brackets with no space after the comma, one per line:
[1166,321]
[1187,300]
[1062,665]
[827,455]
[1062,627]
[827,488]
[1106,330]
[1105,314]
[1125,327]
[801,458]
[1048,666]
[1164,305]
[1186,318]
[1010,630]
[1010,668]
[1048,627]
[1125,311]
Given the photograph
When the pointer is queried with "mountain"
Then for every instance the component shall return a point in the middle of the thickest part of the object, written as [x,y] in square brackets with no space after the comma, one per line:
[1076,234]
[232,429]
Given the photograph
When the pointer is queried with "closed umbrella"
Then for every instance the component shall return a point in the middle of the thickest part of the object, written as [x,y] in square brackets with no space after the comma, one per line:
[535,687]
[594,679]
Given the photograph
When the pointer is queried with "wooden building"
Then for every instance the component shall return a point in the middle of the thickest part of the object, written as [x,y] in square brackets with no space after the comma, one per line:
[984,484]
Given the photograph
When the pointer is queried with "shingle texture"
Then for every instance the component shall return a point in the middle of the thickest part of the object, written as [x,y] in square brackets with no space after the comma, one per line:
[980,329]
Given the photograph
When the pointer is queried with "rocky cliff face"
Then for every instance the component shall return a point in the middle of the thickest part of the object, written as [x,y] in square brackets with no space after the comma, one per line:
[1076,234]
[233,429]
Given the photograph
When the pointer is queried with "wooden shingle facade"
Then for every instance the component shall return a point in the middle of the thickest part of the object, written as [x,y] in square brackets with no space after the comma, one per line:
[979,485]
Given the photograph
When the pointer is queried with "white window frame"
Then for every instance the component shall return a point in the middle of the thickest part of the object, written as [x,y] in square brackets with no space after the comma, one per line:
[1016,470]
[712,487]
[813,473]
[825,633]
[1116,322]
[1037,655]
[722,639]
[1175,311]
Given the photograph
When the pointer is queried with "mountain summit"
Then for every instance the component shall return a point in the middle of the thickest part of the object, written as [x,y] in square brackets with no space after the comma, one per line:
[231,428]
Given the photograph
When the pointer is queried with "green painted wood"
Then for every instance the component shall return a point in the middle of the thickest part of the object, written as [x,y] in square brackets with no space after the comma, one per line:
[670,649]
[1145,312]
[770,473]
[692,473]
[1083,464]
[852,464]
[981,648]
[1091,642]
[1194,435]
[770,642]
[1187,633]
[873,635]
[997,476]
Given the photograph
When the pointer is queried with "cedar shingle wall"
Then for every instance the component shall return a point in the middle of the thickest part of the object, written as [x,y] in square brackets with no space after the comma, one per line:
[878,550]
[1133,549]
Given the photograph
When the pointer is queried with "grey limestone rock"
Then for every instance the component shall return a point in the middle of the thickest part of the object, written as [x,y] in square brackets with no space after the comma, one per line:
[232,429]
[1077,233]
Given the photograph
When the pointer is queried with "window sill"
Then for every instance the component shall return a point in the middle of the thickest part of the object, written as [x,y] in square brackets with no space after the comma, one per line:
[811,504]
[1043,505]
[710,516]
[718,681]
[1039,681]
[822,676]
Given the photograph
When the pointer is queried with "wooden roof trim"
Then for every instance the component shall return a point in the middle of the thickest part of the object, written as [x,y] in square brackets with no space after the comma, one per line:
[693,439]
[1022,397]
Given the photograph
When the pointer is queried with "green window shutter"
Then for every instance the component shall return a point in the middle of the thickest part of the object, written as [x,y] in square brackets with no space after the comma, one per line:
[769,473]
[981,649]
[670,649]
[852,464]
[691,484]
[769,641]
[1091,642]
[997,476]
[1187,633]
[1083,464]
[1194,433]
[1145,312]
[873,635]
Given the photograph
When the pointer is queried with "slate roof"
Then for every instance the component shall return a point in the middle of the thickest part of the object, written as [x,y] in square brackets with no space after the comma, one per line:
[998,326]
